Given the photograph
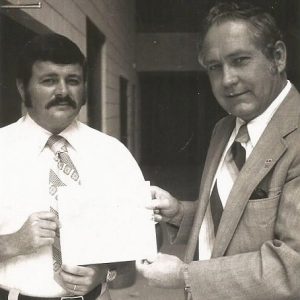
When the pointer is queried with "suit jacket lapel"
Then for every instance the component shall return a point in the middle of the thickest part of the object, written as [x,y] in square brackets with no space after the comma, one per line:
[265,154]
[216,148]
[244,186]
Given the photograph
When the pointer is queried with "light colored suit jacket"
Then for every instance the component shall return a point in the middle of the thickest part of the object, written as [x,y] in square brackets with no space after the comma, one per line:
[256,254]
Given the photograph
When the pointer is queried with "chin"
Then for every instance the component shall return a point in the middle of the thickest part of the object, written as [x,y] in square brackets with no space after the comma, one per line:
[244,114]
[60,124]
[246,118]
[64,116]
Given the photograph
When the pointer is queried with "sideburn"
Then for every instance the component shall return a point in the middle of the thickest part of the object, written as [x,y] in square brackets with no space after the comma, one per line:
[27,100]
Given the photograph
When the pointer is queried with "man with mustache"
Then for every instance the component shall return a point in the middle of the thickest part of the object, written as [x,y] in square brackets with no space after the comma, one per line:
[58,100]
[244,231]
[51,78]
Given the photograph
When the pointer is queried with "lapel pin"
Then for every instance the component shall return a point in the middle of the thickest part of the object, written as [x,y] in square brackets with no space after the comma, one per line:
[268,162]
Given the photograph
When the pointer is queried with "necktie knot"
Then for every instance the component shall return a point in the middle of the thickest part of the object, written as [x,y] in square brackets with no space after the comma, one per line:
[242,135]
[57,144]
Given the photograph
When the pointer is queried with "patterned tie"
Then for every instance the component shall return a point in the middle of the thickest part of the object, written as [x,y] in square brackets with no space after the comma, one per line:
[234,161]
[63,174]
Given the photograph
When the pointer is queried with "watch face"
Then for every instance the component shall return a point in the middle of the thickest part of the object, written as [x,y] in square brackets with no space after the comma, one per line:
[111,275]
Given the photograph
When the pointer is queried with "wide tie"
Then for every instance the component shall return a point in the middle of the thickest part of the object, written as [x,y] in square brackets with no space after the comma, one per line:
[63,173]
[238,151]
[233,161]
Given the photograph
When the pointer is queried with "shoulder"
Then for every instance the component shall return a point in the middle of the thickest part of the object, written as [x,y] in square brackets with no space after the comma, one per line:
[11,138]
[107,149]
[224,123]
[102,143]
[97,137]
[9,132]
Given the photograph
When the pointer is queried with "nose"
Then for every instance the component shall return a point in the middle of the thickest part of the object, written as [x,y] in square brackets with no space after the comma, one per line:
[61,88]
[230,77]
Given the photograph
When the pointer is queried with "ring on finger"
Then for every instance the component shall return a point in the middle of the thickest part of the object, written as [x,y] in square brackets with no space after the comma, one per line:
[157,211]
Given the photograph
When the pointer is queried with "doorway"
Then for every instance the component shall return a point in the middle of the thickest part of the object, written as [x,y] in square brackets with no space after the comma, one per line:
[13,36]
[123,111]
[95,42]
[178,112]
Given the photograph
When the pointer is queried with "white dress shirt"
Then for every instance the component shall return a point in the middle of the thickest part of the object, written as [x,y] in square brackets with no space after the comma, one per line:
[103,163]
[255,128]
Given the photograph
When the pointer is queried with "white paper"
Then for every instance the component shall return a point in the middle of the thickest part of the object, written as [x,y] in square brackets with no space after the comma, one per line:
[106,227]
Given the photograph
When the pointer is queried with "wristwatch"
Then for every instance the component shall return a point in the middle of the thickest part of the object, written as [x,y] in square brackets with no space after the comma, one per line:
[111,275]
[187,288]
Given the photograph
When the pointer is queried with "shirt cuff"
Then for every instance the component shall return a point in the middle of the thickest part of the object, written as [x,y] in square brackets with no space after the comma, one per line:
[179,216]
[103,288]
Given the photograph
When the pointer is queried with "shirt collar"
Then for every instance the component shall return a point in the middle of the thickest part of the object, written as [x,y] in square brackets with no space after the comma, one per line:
[257,126]
[70,134]
[39,136]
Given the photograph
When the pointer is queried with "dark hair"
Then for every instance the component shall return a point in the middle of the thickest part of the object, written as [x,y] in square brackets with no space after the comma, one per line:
[48,47]
[265,30]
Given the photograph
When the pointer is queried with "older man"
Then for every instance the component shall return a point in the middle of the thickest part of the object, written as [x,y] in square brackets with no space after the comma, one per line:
[247,219]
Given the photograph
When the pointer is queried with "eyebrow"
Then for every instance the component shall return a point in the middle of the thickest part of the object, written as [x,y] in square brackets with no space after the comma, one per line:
[237,53]
[49,74]
[56,75]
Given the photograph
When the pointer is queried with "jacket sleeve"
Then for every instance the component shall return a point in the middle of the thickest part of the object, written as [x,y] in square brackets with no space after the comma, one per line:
[181,234]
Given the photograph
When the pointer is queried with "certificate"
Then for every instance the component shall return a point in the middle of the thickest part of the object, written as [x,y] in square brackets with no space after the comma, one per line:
[107,226]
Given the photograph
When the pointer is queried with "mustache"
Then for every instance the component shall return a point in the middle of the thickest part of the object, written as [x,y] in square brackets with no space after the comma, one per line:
[59,100]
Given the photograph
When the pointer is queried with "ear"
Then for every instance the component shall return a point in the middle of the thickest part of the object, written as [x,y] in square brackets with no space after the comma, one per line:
[21,89]
[280,56]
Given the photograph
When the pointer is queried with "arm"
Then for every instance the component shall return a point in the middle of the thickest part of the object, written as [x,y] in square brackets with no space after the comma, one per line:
[268,271]
[271,272]
[36,232]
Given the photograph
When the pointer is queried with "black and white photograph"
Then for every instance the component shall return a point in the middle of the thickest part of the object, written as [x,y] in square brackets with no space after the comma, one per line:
[149,150]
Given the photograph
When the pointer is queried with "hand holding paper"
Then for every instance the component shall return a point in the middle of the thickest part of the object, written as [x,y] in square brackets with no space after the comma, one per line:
[108,227]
